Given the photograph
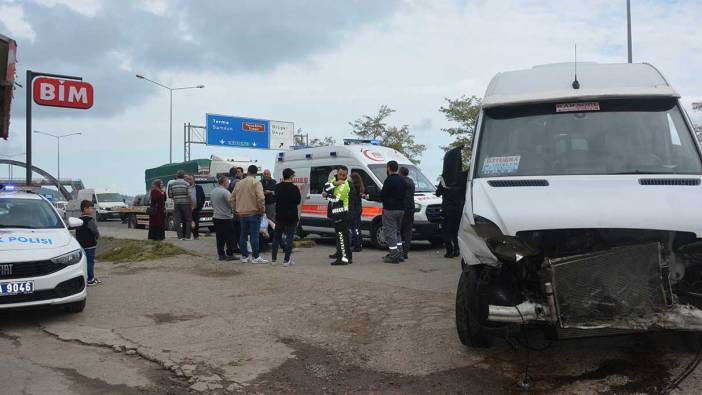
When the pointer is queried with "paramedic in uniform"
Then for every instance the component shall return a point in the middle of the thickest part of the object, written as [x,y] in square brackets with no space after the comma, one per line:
[336,191]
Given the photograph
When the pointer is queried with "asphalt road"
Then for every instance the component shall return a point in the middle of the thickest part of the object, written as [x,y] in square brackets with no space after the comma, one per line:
[191,324]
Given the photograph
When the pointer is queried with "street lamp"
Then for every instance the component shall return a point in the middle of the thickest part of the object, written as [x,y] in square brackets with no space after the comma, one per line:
[58,149]
[9,167]
[170,140]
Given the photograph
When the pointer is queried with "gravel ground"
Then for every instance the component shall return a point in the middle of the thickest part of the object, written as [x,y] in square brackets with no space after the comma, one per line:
[191,324]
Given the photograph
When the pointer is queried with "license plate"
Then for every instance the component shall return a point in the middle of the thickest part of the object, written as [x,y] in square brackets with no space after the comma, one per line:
[17,287]
[205,219]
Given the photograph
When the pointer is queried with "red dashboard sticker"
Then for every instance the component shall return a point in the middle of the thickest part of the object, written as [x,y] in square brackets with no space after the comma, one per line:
[578,107]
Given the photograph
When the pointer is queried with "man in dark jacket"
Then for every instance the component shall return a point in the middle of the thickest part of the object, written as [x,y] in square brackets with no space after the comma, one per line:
[408,218]
[286,208]
[197,195]
[269,192]
[393,193]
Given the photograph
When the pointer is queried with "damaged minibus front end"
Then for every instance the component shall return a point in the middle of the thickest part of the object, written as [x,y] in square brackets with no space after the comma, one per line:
[582,217]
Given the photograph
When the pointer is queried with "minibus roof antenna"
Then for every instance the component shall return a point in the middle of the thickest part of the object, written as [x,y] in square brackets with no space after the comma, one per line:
[576,83]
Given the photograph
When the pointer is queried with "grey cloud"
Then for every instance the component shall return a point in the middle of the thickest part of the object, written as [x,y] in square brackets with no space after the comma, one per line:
[203,36]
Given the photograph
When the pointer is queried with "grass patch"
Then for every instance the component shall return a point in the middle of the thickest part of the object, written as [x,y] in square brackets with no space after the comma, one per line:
[122,250]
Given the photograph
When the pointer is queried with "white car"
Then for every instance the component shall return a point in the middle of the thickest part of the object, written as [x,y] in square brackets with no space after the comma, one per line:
[41,263]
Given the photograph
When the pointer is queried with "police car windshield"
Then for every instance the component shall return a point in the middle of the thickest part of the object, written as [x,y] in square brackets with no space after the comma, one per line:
[28,214]
[421,183]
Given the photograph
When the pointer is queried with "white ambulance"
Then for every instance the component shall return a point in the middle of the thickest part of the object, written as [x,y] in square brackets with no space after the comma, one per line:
[314,166]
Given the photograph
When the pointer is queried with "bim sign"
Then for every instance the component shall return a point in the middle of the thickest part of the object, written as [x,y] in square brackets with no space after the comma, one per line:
[63,93]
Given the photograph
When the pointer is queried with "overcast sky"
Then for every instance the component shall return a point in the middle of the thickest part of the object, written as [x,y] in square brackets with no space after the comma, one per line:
[318,63]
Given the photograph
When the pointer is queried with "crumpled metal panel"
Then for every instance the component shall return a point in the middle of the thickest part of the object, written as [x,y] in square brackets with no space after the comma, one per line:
[614,288]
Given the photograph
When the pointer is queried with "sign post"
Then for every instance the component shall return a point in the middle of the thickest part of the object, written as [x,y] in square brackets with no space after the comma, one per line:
[241,132]
[57,91]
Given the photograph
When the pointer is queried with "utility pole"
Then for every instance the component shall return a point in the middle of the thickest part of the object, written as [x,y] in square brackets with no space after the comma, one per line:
[628,27]
[58,149]
[170,125]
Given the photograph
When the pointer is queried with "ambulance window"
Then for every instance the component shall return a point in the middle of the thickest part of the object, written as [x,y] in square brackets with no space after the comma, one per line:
[318,177]
[367,180]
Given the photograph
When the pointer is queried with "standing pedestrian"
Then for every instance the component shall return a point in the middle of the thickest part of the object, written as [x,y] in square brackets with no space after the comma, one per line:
[235,175]
[197,198]
[222,218]
[452,200]
[268,184]
[157,214]
[337,191]
[393,194]
[408,217]
[358,190]
[452,190]
[249,202]
[286,209]
[87,236]
[179,191]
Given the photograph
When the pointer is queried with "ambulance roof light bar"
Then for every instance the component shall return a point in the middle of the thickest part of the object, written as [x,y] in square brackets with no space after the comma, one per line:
[361,141]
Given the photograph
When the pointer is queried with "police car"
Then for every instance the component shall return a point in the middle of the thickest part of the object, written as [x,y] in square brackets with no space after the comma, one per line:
[41,263]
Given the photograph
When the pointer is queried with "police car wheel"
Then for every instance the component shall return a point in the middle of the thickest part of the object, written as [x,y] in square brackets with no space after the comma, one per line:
[170,223]
[471,309]
[75,307]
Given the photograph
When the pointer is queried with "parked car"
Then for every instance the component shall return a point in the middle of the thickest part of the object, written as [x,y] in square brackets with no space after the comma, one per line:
[41,263]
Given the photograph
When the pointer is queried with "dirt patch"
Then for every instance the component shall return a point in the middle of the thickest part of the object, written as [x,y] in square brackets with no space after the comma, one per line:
[304,243]
[360,328]
[317,371]
[87,385]
[14,339]
[122,250]
[166,318]
[216,272]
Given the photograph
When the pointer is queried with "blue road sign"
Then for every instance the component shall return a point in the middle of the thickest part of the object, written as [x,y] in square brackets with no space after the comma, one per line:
[228,131]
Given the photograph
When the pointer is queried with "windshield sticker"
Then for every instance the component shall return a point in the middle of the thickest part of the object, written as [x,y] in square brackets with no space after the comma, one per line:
[578,107]
[25,240]
[501,165]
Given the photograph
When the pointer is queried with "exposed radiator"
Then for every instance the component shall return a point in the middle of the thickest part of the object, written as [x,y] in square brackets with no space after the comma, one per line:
[613,288]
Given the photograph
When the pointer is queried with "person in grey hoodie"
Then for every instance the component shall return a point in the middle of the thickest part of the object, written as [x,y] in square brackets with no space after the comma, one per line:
[223,220]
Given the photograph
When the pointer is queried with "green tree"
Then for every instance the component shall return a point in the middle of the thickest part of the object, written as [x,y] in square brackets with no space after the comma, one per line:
[464,111]
[398,138]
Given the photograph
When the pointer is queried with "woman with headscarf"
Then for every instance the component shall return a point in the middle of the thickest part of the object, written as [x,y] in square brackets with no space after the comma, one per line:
[157,213]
